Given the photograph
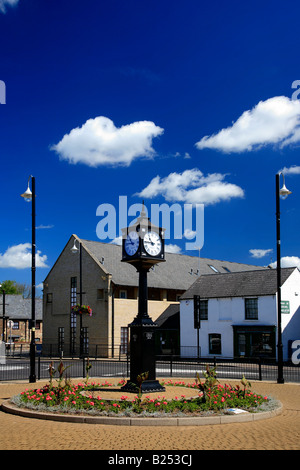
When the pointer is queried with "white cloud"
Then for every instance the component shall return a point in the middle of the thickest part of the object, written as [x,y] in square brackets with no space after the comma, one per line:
[172,248]
[189,234]
[117,240]
[19,257]
[42,227]
[5,3]
[288,262]
[257,253]
[100,142]
[192,186]
[292,170]
[274,121]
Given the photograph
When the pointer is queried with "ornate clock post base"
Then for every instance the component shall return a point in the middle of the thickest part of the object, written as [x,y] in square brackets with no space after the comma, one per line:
[142,358]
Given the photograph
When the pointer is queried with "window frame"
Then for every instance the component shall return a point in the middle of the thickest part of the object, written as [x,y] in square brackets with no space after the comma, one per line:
[203,309]
[251,312]
[211,349]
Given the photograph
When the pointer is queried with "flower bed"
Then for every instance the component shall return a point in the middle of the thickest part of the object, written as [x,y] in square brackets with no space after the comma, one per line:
[86,398]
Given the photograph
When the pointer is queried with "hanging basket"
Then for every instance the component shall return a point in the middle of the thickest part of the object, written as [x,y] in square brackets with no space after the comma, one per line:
[82,310]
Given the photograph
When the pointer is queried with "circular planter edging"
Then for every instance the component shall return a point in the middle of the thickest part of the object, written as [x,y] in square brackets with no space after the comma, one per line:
[8,407]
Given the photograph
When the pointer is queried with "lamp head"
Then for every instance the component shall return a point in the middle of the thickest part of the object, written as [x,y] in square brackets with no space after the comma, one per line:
[27,195]
[74,249]
[284,192]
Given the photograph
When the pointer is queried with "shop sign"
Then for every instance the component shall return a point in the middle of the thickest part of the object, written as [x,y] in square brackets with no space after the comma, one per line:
[285,306]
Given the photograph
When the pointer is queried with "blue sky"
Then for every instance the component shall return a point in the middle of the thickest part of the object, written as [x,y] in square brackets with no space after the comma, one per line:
[166,101]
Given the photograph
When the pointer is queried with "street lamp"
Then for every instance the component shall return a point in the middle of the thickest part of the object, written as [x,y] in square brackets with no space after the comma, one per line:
[3,315]
[280,194]
[29,196]
[75,250]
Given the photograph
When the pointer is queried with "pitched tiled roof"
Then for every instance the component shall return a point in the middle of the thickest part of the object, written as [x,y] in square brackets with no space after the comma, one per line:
[238,284]
[177,272]
[18,308]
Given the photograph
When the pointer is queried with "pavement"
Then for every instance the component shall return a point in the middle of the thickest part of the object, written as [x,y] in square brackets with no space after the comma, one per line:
[281,432]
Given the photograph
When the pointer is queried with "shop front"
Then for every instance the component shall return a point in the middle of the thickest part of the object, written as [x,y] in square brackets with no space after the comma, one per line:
[254,341]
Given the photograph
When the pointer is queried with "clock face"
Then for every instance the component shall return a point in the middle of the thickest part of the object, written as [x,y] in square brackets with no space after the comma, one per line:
[132,243]
[152,243]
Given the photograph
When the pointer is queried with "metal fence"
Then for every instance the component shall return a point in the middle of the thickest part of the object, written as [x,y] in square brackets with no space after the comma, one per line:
[19,369]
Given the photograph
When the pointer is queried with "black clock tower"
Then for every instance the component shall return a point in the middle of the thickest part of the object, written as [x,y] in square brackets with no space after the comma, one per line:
[143,247]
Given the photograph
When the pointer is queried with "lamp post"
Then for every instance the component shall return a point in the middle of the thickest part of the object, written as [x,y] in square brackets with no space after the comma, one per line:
[74,249]
[3,315]
[29,196]
[283,194]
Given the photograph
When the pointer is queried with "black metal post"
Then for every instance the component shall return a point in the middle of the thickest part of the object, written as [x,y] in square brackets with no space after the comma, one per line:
[280,379]
[80,301]
[197,321]
[143,296]
[142,343]
[3,316]
[32,376]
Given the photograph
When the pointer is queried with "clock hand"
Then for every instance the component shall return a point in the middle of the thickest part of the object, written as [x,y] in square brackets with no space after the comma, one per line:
[152,243]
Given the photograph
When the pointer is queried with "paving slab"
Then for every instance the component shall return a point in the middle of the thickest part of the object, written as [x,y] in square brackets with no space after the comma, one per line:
[279,432]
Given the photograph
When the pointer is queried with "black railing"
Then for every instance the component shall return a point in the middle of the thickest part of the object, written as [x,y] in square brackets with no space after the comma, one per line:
[95,351]
[19,369]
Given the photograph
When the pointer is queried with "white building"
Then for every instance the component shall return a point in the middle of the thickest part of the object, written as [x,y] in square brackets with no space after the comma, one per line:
[238,314]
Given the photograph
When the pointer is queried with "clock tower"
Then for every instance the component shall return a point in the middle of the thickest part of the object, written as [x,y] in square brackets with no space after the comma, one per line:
[143,247]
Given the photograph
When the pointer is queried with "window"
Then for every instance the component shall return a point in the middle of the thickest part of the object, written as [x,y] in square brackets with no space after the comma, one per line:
[203,309]
[100,294]
[61,339]
[85,340]
[226,269]
[124,340]
[16,325]
[251,309]
[49,298]
[73,301]
[73,291]
[213,268]
[123,294]
[214,343]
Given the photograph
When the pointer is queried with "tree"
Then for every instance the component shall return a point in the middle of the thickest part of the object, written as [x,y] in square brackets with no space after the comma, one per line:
[16,288]
[12,287]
